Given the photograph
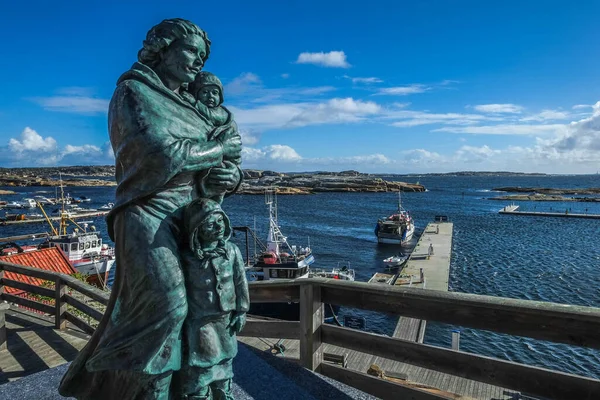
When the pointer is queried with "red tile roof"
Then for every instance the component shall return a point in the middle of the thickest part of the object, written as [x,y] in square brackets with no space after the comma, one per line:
[50,259]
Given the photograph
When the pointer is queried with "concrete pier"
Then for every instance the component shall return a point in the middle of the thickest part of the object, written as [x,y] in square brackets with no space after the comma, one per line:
[514,210]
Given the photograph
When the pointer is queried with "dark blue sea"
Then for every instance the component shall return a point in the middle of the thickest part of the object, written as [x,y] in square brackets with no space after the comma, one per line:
[535,258]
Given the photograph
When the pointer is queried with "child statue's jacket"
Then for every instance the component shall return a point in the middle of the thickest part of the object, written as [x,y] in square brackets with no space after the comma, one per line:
[216,290]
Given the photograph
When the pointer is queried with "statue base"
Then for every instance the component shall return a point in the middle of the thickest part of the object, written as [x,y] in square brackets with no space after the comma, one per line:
[255,378]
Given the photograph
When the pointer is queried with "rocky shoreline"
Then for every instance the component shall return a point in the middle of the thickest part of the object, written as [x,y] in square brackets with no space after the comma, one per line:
[547,191]
[255,181]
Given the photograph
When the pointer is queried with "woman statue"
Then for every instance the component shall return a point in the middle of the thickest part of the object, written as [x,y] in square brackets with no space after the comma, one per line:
[160,143]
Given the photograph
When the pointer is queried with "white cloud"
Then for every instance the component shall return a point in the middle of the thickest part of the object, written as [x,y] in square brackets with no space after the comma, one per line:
[504,129]
[403,90]
[365,80]
[583,135]
[333,59]
[246,82]
[249,137]
[581,106]
[336,110]
[471,154]
[275,152]
[249,88]
[499,108]
[285,76]
[424,158]
[80,100]
[547,115]
[32,149]
[32,141]
[283,157]
[409,118]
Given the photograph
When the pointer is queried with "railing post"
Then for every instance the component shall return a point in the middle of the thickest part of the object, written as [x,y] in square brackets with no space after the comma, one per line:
[60,322]
[311,319]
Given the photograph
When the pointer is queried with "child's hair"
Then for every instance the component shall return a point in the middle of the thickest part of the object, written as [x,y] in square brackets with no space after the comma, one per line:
[204,79]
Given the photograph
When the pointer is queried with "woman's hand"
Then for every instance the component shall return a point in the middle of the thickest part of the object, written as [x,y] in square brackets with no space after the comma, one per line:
[225,177]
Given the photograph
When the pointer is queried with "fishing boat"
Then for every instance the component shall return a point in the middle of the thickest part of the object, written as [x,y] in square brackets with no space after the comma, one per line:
[13,204]
[82,245]
[278,260]
[395,261]
[398,228]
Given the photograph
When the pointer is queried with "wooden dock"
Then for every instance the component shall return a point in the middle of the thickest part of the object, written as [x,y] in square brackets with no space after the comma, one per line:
[421,271]
[93,214]
[34,345]
[514,210]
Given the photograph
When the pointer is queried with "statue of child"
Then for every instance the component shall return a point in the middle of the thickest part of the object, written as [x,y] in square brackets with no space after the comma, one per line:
[218,299]
[207,89]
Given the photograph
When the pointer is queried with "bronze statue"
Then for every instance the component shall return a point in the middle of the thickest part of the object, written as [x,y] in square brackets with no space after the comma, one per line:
[167,155]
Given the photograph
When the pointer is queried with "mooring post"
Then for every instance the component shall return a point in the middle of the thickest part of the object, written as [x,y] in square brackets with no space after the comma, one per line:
[456,340]
[311,318]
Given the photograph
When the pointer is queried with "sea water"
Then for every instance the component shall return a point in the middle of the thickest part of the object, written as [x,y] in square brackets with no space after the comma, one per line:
[534,258]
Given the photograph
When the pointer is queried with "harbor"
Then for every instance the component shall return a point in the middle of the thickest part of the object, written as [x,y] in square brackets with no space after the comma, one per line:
[428,267]
[514,210]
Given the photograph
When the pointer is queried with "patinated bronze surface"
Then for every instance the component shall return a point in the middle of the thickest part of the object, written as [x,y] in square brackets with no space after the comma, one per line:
[172,158]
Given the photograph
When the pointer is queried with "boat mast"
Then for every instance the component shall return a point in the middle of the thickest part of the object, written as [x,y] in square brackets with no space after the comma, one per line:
[63,219]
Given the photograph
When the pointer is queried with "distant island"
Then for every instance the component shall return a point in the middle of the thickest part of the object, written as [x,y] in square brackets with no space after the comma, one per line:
[474,173]
[546,194]
[255,181]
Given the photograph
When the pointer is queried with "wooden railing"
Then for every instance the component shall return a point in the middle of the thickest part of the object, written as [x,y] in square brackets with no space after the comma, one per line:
[67,291]
[557,323]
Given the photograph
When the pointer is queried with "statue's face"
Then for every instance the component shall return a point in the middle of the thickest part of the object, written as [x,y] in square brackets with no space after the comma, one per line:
[184,58]
[212,229]
[210,96]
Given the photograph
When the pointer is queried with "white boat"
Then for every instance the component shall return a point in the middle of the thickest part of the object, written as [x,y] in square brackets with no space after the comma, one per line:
[398,228]
[13,204]
[28,203]
[395,261]
[342,273]
[106,207]
[82,199]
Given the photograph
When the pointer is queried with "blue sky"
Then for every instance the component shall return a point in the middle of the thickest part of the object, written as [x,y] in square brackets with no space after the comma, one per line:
[383,86]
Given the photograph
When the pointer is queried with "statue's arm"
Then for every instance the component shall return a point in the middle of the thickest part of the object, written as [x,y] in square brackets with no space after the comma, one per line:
[242,294]
[203,155]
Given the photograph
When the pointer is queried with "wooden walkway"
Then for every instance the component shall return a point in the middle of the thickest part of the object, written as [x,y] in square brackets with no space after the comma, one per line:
[361,362]
[34,345]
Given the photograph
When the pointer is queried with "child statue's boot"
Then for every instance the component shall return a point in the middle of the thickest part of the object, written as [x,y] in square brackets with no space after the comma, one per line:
[221,390]
[203,394]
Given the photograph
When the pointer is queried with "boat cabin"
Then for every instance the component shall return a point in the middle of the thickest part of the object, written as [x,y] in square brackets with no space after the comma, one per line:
[78,246]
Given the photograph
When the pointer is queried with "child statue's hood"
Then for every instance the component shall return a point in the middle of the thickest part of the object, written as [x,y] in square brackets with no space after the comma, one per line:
[198,211]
